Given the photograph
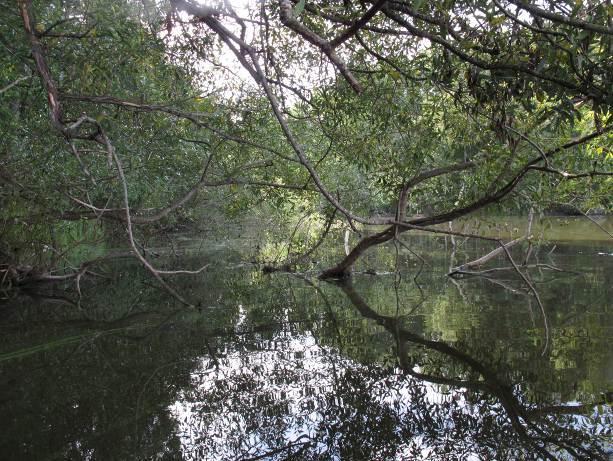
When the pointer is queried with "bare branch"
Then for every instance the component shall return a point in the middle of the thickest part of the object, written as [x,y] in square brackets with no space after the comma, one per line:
[539,12]
[286,15]
[356,26]
[484,259]
[16,82]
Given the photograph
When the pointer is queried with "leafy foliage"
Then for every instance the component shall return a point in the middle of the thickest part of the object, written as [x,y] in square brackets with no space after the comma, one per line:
[365,98]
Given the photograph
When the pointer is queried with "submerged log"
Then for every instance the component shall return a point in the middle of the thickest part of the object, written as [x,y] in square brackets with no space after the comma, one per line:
[15,275]
[485,258]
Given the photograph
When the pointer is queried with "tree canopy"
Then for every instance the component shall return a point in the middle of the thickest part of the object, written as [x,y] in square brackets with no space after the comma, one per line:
[405,114]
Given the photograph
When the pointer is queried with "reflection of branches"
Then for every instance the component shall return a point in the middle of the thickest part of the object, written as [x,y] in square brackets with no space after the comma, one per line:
[500,283]
[22,276]
[286,448]
[49,298]
[534,292]
[505,249]
[520,418]
[494,270]
[328,307]
[418,273]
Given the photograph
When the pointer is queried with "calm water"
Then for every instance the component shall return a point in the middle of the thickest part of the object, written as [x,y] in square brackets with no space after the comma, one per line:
[407,365]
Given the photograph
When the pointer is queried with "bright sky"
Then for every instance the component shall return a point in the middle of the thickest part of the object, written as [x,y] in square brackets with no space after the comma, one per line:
[223,75]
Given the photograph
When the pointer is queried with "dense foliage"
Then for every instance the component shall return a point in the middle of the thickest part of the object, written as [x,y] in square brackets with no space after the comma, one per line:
[382,108]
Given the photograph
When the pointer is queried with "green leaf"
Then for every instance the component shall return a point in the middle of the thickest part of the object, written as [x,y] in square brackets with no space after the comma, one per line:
[496,21]
[299,8]
[417,4]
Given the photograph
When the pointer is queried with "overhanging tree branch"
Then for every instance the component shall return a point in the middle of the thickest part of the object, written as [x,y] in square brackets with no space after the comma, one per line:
[539,12]
[97,135]
[326,47]
[193,117]
[359,24]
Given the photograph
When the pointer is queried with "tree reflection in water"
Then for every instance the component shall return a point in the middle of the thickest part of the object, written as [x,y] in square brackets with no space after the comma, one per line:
[290,397]
[279,367]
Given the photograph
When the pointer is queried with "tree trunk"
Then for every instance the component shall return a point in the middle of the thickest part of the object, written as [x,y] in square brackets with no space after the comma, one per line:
[343,268]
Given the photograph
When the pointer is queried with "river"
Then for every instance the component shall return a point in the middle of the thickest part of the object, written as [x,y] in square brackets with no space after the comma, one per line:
[404,364]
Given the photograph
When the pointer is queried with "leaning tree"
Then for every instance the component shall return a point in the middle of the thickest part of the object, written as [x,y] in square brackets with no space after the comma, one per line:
[380,78]
[441,107]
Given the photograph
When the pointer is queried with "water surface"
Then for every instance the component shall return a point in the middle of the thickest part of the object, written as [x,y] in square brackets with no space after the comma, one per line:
[406,364]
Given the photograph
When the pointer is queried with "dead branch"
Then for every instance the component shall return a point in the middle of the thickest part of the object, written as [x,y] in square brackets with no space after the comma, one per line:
[502,245]
[484,259]
[24,275]
[484,273]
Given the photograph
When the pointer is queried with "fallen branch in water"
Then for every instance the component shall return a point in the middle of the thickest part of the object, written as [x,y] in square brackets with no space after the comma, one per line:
[507,253]
[460,272]
[464,269]
[23,275]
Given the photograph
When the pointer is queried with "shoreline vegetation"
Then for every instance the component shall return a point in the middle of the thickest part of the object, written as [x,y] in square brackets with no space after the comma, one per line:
[224,217]
[433,112]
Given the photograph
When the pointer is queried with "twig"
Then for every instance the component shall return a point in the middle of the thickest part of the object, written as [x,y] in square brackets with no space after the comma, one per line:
[16,82]
[534,292]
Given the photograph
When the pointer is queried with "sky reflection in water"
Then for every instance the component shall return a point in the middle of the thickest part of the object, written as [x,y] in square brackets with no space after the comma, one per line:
[283,367]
